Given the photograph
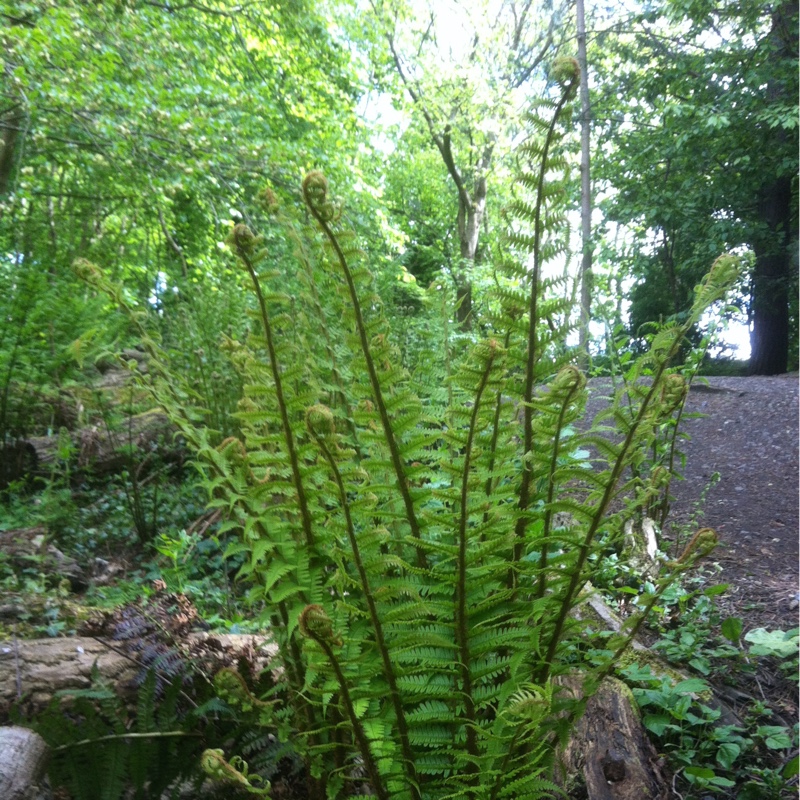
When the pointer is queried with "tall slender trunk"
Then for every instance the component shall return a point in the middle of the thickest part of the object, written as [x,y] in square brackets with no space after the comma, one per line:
[11,127]
[586,188]
[470,217]
[769,339]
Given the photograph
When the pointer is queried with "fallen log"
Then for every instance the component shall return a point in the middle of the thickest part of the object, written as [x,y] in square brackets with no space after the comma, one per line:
[103,451]
[609,756]
[25,546]
[594,607]
[33,671]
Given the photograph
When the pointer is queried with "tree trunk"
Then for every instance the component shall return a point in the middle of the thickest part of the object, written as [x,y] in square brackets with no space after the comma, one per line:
[609,756]
[769,340]
[11,125]
[775,246]
[586,189]
[470,217]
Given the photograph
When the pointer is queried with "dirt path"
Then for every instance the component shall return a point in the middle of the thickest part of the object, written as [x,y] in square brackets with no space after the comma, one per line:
[749,435]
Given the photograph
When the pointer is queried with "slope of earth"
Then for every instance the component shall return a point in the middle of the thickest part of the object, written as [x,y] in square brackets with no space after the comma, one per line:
[747,432]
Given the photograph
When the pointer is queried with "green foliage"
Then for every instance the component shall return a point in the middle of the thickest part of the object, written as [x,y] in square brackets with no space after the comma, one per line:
[696,112]
[406,544]
[102,749]
[707,754]
[116,144]
[686,621]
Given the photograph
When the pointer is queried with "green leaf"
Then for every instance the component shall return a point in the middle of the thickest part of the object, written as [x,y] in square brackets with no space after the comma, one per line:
[701,665]
[702,773]
[727,753]
[776,737]
[773,643]
[732,629]
[725,783]
[657,723]
[792,769]
[691,685]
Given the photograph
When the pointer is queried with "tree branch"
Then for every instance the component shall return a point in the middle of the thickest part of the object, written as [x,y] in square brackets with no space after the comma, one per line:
[172,243]
[442,142]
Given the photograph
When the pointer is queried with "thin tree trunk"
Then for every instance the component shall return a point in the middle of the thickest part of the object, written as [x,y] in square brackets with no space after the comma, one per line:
[470,217]
[586,188]
[11,126]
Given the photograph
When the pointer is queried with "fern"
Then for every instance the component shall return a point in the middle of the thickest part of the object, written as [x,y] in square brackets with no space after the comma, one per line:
[419,540]
[100,751]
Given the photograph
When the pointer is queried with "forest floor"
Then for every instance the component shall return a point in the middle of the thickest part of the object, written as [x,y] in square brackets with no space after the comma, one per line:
[747,432]
[746,429]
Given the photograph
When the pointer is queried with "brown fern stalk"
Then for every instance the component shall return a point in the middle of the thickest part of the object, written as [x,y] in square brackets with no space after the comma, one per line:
[498,407]
[599,515]
[461,618]
[325,639]
[530,367]
[574,386]
[330,352]
[377,627]
[242,237]
[314,191]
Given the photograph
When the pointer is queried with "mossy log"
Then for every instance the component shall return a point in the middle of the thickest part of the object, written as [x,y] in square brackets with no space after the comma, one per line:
[26,546]
[97,450]
[593,607]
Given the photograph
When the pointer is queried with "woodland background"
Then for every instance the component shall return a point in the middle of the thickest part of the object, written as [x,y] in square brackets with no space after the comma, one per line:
[136,134]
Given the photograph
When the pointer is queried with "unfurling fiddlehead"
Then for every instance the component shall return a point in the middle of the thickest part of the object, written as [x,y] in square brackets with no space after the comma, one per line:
[315,193]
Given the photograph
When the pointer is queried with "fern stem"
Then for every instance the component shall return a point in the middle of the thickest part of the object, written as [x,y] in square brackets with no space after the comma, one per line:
[501,773]
[394,450]
[358,729]
[551,486]
[329,349]
[461,621]
[115,736]
[530,367]
[296,670]
[377,626]
[489,486]
[583,551]
[673,446]
[302,502]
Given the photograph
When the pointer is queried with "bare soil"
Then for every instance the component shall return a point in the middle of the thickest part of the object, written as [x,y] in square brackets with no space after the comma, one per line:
[746,429]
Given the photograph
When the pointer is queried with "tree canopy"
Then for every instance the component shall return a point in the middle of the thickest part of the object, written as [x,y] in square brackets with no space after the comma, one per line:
[136,133]
[696,117]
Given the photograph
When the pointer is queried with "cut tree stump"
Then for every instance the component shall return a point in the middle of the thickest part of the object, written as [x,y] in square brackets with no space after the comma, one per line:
[23,759]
